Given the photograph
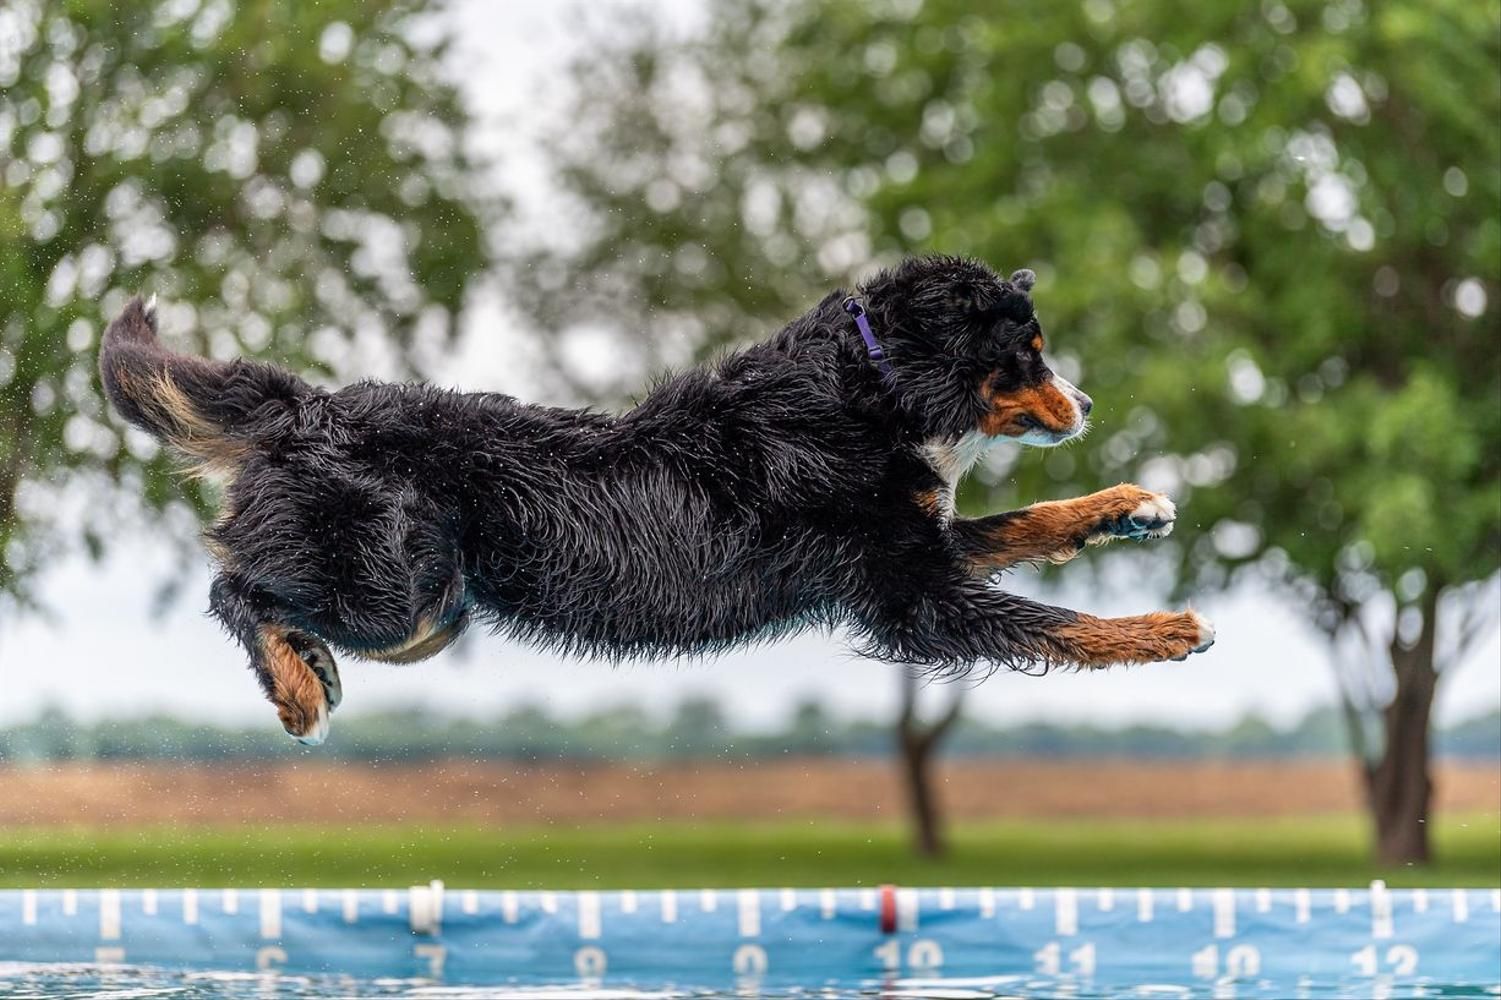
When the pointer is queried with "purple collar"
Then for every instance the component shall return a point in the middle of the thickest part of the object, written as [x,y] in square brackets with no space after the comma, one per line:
[872,346]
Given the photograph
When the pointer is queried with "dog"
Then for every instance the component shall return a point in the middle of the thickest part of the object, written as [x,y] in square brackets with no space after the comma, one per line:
[804,482]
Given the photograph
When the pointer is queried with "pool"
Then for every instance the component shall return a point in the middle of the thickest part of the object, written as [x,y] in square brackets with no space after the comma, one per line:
[940,942]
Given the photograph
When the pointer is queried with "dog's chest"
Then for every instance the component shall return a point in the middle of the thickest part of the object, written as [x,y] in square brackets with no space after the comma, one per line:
[950,459]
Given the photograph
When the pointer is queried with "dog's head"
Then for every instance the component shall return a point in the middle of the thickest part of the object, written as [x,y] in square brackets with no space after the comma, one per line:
[966,350]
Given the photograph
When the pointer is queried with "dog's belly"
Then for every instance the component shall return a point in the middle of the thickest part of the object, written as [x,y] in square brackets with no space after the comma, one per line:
[647,601]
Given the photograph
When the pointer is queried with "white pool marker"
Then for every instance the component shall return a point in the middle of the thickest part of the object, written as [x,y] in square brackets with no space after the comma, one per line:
[310,901]
[350,905]
[669,902]
[1065,912]
[987,902]
[1185,900]
[1341,901]
[1420,900]
[109,914]
[229,901]
[469,902]
[867,899]
[946,899]
[907,910]
[1223,901]
[1144,905]
[828,905]
[1496,900]
[1026,899]
[190,906]
[109,956]
[548,901]
[1263,900]
[590,924]
[1105,900]
[270,914]
[148,902]
[1302,904]
[508,907]
[748,912]
[70,902]
[788,900]
[708,900]
[1381,911]
[390,903]
[424,909]
[628,901]
[1460,905]
[28,907]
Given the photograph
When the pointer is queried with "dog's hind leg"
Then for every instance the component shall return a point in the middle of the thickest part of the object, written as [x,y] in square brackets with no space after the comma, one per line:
[1058,530]
[294,667]
[443,618]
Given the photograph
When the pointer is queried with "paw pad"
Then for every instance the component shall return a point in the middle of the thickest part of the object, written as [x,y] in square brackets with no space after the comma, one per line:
[1152,518]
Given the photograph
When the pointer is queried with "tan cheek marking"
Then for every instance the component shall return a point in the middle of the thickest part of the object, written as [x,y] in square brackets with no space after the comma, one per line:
[1037,342]
[1057,405]
[1046,403]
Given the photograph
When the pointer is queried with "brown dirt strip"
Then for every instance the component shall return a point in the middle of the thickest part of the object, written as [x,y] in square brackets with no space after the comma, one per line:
[490,792]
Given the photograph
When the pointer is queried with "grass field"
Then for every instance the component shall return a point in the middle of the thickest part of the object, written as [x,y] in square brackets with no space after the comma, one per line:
[1284,851]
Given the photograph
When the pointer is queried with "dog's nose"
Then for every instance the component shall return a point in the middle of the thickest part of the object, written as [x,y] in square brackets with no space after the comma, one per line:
[1085,404]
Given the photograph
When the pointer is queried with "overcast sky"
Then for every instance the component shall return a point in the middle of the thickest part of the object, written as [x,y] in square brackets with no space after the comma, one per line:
[105,655]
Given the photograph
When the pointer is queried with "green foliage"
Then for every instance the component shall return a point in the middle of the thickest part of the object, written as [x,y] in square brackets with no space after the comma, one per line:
[282,175]
[1268,239]
[1314,851]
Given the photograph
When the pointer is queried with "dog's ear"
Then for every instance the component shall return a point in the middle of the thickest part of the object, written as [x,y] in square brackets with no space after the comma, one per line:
[1015,303]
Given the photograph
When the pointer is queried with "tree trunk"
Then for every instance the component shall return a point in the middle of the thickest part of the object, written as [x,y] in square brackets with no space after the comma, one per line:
[1399,789]
[927,834]
[917,744]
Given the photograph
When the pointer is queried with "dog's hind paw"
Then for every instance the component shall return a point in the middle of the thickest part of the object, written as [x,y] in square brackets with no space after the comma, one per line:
[304,685]
[321,662]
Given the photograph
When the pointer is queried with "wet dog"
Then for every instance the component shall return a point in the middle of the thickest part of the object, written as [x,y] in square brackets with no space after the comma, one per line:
[806,481]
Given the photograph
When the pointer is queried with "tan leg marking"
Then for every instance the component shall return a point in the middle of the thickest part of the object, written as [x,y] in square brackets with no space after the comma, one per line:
[297,693]
[1150,638]
[1054,529]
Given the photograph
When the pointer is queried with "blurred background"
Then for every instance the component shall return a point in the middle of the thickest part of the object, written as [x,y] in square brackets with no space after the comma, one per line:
[1268,243]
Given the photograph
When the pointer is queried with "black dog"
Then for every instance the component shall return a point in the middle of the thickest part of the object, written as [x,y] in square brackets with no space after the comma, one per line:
[805,481]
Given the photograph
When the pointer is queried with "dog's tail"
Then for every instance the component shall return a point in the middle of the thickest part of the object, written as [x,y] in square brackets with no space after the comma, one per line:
[214,412]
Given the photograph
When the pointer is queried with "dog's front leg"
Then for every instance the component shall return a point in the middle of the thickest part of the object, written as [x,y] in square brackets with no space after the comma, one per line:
[959,626]
[1058,530]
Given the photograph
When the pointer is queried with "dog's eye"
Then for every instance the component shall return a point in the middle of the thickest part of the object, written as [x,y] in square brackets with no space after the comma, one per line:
[1028,423]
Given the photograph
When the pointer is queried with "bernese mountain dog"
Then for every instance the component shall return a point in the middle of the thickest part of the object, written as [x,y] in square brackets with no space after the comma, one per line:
[804,482]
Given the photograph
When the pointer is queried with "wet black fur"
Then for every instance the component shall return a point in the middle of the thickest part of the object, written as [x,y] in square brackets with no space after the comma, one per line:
[772,491]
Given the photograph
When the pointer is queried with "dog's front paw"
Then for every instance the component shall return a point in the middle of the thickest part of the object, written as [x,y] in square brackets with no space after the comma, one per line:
[1201,634]
[1149,516]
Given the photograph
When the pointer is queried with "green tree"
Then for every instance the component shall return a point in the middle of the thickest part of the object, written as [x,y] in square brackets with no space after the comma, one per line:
[284,176]
[1267,239]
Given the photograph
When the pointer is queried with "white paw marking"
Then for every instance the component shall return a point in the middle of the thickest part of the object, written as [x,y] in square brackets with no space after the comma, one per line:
[319,732]
[1206,631]
[151,305]
[1156,515]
